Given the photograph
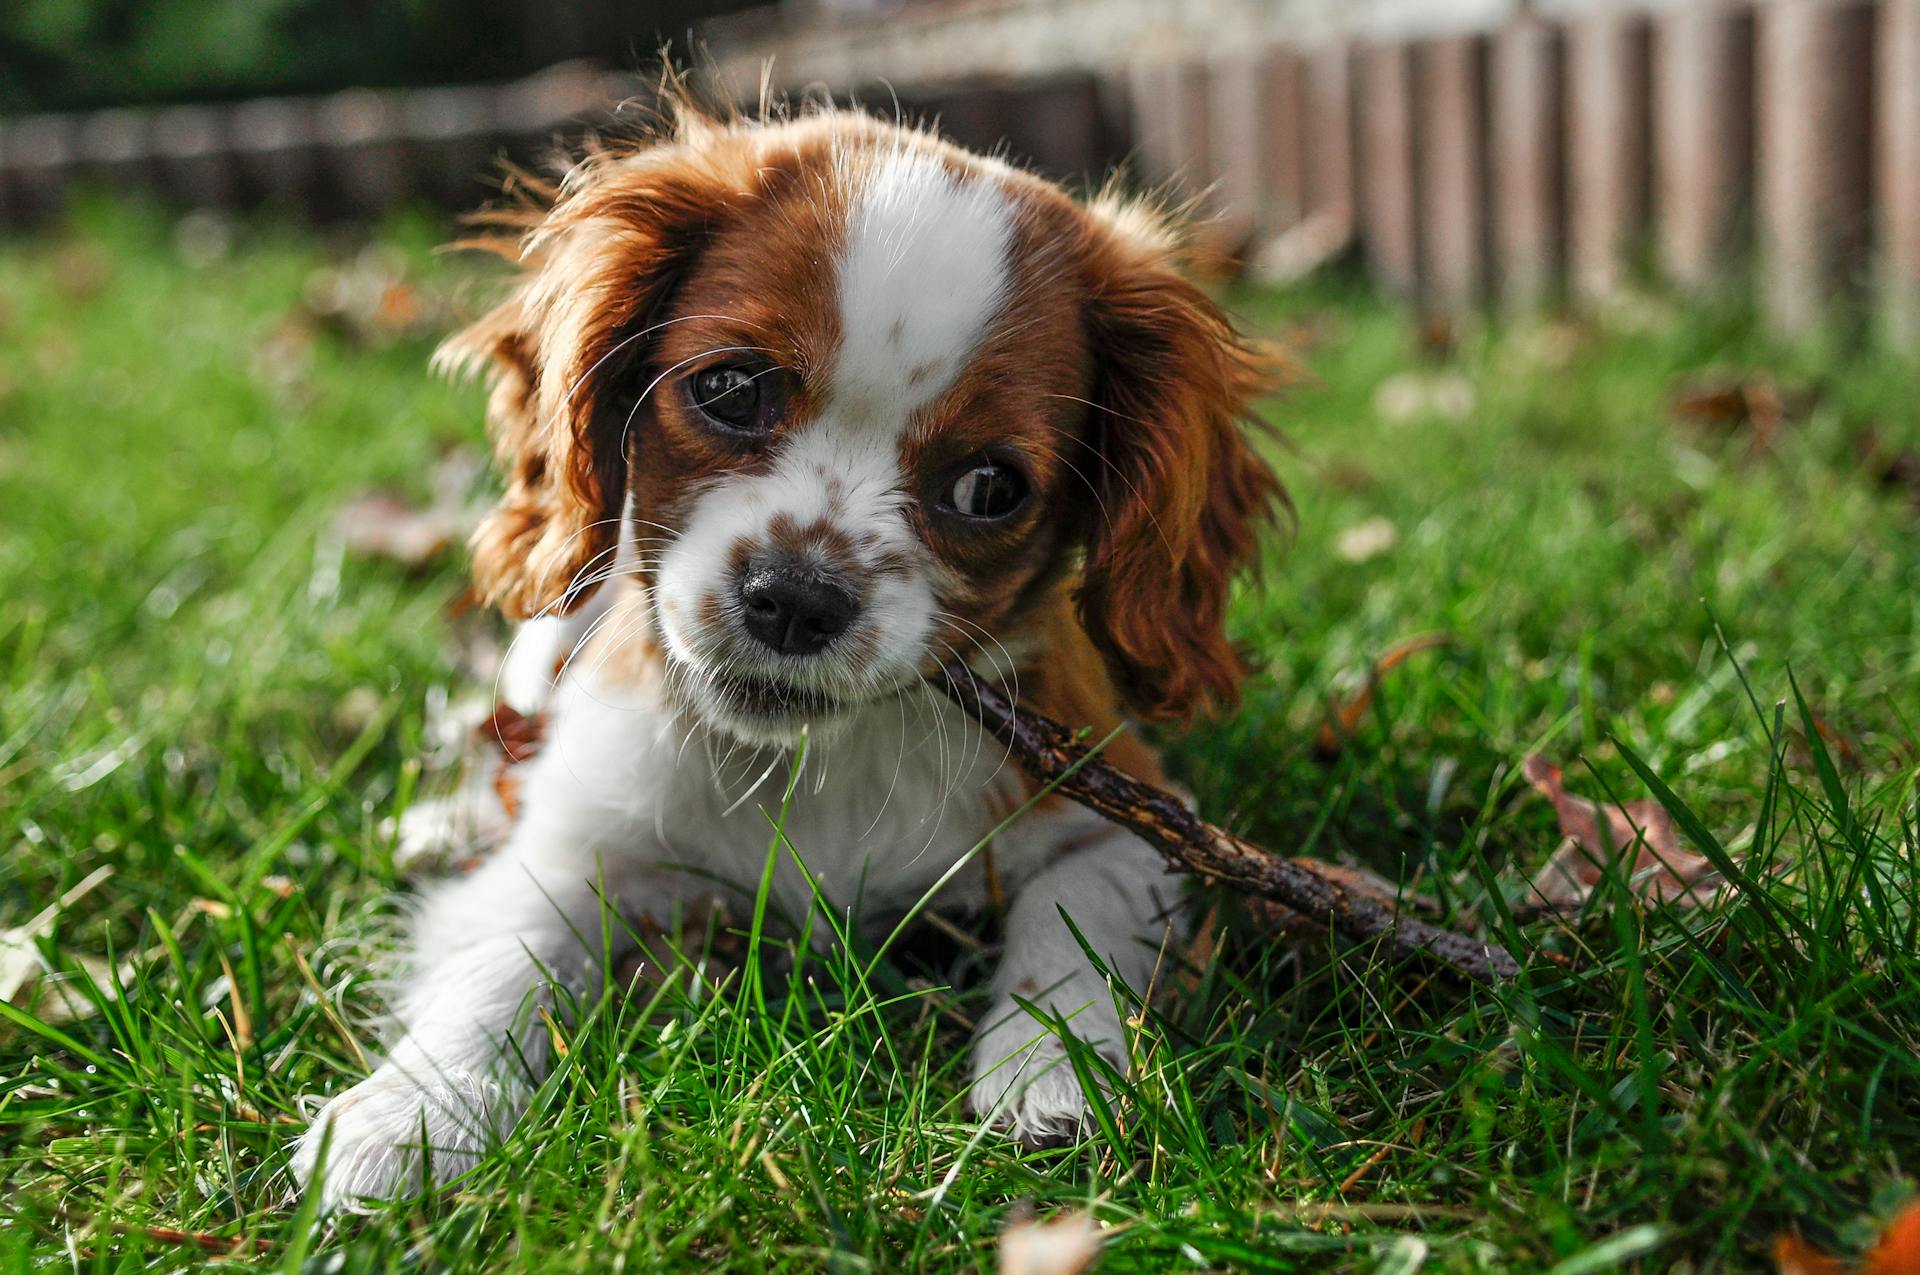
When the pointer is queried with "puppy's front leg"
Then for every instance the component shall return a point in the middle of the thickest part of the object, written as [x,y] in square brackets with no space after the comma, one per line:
[1118,894]
[485,953]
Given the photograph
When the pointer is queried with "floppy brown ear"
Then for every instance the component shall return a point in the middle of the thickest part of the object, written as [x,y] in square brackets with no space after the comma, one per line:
[1180,494]
[598,266]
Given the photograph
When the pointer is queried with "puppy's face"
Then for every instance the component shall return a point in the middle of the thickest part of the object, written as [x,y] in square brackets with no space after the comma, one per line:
[859,399]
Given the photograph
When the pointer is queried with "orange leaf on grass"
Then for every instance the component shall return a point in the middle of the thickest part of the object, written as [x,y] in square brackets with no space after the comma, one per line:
[1344,717]
[1660,869]
[1896,1252]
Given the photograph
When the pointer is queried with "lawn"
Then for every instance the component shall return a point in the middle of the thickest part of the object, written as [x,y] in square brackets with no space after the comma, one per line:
[207,711]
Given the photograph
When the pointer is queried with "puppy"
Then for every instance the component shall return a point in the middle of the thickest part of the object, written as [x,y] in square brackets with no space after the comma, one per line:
[794,411]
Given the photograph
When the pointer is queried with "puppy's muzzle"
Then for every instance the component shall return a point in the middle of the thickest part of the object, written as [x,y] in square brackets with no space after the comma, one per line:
[793,607]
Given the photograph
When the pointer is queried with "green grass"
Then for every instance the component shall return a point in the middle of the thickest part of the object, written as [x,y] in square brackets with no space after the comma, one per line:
[196,694]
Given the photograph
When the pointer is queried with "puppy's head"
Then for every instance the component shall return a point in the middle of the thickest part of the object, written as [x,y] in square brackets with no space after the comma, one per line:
[858,401]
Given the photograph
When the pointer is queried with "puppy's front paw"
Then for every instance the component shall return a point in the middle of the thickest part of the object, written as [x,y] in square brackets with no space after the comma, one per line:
[391,1135]
[1024,1082]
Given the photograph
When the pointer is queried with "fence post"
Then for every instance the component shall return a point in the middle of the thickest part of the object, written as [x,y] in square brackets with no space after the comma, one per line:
[1897,129]
[1283,138]
[1389,177]
[1524,90]
[1328,136]
[1703,109]
[1607,130]
[1235,163]
[1451,123]
[1815,91]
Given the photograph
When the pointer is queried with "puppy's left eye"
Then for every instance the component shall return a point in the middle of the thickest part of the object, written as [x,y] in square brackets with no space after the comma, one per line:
[737,398]
[988,490]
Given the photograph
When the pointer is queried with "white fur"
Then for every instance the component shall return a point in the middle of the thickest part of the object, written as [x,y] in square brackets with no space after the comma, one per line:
[924,272]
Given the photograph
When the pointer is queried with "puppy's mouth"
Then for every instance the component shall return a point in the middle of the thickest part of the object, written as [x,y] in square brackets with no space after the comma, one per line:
[771,700]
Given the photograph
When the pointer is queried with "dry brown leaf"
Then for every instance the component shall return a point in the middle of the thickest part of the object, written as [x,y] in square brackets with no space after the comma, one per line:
[1896,1252]
[1660,869]
[1755,405]
[1344,717]
[1066,1245]
[1794,1256]
[380,524]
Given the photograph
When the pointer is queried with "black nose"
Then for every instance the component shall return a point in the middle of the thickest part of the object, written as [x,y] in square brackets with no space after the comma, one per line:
[794,609]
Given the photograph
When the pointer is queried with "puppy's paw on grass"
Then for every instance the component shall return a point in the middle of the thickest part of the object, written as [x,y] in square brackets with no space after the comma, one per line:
[391,1136]
[1024,1082]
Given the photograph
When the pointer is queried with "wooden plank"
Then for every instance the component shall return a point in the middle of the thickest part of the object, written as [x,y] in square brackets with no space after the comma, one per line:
[1283,138]
[1608,169]
[1192,140]
[1235,167]
[1388,178]
[1815,76]
[1528,214]
[1150,92]
[1897,180]
[1329,137]
[1452,205]
[1703,108]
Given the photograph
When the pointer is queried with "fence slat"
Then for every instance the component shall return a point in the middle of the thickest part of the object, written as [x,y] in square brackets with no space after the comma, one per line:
[1703,109]
[1283,139]
[1814,166]
[1607,148]
[1524,90]
[1389,213]
[1451,123]
[1328,136]
[1235,171]
[1897,181]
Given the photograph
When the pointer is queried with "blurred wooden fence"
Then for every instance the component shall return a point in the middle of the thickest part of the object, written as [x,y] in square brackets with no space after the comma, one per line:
[350,154]
[1708,144]
[1514,154]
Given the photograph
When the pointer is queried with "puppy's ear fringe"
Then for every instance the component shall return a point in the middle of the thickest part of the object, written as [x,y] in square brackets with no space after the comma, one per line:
[1184,497]
[547,348]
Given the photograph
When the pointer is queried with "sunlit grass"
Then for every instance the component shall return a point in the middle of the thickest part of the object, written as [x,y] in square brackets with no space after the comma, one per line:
[197,694]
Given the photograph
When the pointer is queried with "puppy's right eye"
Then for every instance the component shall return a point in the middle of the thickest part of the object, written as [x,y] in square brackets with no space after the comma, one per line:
[736,398]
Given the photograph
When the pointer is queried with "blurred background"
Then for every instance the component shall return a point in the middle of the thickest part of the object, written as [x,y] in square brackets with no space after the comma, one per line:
[1466,151]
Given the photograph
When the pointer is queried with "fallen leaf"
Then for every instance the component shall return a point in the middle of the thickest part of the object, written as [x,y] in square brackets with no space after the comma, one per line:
[1365,540]
[21,965]
[369,301]
[1439,335]
[380,524]
[1794,1256]
[1839,745]
[1661,870]
[1066,1245]
[1896,1252]
[1754,405]
[1343,718]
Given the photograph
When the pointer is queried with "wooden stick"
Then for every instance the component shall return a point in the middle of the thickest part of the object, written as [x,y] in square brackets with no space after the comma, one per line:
[1049,751]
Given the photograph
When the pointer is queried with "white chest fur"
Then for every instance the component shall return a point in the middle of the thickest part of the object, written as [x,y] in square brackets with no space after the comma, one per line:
[880,811]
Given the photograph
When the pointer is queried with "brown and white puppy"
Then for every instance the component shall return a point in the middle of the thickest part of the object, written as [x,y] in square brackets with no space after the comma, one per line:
[793,411]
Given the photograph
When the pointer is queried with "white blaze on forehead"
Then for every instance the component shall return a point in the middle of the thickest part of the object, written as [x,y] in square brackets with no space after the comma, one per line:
[924,272]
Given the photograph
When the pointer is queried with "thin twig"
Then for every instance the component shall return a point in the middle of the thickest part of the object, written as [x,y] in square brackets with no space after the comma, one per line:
[1052,754]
